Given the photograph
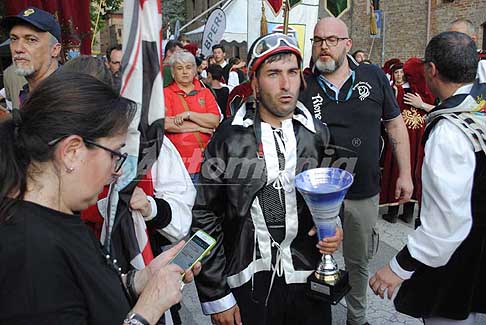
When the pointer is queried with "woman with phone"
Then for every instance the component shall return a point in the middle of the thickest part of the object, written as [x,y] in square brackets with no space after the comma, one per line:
[55,157]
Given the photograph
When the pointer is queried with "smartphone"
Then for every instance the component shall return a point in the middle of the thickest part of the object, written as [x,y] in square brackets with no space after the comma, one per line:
[198,246]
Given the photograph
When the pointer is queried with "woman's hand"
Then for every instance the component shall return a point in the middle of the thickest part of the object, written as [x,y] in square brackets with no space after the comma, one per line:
[328,245]
[413,100]
[160,284]
[181,117]
[139,202]
[206,130]
[162,291]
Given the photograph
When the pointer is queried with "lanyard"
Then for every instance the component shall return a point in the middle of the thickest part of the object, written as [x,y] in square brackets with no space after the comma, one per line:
[350,91]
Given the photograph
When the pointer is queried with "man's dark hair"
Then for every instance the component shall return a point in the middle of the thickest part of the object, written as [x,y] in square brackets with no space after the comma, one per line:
[171,45]
[276,57]
[234,60]
[356,52]
[218,46]
[216,72]
[455,56]
[183,38]
[116,47]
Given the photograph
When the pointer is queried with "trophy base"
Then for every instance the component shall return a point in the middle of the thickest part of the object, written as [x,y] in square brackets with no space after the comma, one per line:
[330,291]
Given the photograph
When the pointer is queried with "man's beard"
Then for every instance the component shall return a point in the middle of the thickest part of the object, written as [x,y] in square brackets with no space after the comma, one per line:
[272,106]
[24,72]
[331,65]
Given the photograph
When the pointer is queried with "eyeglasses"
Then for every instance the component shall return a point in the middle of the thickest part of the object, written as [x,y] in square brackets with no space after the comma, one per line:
[269,44]
[118,156]
[331,41]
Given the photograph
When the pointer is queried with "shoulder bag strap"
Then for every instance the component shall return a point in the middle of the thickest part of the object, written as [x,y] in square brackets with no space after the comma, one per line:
[196,133]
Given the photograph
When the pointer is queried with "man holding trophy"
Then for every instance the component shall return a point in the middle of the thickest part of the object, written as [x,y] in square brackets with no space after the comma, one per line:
[267,247]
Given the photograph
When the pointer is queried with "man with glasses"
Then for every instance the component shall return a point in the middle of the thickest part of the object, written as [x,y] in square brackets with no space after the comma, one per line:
[354,100]
[266,244]
[114,56]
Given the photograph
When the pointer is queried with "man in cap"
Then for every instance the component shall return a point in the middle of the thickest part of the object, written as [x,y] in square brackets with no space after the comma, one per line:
[354,100]
[35,37]
[441,268]
[266,243]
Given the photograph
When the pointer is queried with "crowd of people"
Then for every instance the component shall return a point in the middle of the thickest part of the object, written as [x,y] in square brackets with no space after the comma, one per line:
[236,134]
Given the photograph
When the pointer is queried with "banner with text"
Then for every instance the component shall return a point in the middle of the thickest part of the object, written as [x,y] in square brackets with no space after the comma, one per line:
[213,31]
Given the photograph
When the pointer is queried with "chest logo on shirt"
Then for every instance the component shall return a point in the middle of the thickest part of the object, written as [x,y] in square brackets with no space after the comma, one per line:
[364,90]
[202,102]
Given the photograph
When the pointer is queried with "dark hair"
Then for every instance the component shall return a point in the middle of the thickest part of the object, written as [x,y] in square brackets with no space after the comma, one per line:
[218,46]
[89,65]
[171,45]
[234,60]
[216,71]
[356,52]
[63,104]
[117,47]
[455,56]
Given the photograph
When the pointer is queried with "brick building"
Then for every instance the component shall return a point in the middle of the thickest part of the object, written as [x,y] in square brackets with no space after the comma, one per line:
[111,34]
[408,25]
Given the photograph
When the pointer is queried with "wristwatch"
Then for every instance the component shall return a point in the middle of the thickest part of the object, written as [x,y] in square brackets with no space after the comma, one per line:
[135,319]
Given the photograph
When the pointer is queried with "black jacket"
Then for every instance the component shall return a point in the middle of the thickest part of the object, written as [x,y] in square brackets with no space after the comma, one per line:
[227,206]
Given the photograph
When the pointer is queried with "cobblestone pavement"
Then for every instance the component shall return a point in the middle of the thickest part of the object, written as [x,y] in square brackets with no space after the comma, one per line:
[380,312]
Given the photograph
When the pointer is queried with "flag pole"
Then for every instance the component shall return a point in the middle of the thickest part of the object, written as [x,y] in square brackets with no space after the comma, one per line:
[286,17]
[97,21]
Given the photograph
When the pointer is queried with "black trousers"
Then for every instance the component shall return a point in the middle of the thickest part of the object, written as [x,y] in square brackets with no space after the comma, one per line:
[287,304]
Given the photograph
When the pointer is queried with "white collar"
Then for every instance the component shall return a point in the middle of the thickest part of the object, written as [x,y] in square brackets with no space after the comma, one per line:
[301,114]
[466,89]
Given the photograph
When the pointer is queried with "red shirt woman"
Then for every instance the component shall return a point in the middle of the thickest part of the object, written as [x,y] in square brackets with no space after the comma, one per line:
[191,111]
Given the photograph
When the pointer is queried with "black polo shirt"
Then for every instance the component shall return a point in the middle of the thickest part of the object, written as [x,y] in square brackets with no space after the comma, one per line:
[354,120]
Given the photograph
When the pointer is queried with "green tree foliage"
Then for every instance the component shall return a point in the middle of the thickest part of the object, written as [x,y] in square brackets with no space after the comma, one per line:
[173,10]
[107,6]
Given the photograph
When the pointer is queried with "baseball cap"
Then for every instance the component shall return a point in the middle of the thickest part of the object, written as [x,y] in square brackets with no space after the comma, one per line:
[268,45]
[36,17]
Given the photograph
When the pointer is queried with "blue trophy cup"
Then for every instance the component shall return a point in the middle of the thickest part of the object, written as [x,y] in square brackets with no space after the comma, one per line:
[324,190]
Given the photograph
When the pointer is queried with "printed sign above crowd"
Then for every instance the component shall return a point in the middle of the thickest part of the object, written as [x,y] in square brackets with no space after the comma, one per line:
[213,31]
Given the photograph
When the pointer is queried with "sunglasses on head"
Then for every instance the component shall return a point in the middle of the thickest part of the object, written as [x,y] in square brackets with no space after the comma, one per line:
[269,43]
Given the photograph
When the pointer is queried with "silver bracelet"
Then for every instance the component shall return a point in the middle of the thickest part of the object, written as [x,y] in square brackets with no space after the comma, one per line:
[135,319]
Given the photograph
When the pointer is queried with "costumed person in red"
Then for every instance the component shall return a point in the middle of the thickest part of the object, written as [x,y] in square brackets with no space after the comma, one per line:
[387,66]
[408,79]
[239,95]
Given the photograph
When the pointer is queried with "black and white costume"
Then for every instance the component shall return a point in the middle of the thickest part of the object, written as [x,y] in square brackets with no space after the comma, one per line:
[235,200]
[444,261]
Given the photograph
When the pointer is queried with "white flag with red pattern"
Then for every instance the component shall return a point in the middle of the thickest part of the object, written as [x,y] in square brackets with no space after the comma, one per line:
[142,83]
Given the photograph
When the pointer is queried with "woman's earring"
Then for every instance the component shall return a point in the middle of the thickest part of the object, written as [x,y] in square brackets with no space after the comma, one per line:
[69,170]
